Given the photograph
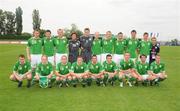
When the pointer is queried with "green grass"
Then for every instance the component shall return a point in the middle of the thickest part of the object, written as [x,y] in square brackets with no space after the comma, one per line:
[165,97]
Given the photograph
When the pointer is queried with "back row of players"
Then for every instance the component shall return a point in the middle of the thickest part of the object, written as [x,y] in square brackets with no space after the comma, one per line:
[117,56]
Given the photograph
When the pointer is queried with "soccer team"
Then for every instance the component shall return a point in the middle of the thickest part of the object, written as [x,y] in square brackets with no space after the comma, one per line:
[63,62]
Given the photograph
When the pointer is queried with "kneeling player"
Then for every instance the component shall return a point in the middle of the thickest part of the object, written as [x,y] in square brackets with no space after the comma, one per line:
[62,72]
[96,70]
[44,72]
[79,71]
[21,71]
[127,70]
[110,70]
[157,70]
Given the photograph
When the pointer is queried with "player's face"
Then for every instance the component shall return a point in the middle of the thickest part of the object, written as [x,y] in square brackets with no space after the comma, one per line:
[86,32]
[108,34]
[36,34]
[48,34]
[21,60]
[120,36]
[44,59]
[94,59]
[133,34]
[153,41]
[74,37]
[158,59]
[109,59]
[145,37]
[64,59]
[143,59]
[96,35]
[79,60]
[60,33]
[126,56]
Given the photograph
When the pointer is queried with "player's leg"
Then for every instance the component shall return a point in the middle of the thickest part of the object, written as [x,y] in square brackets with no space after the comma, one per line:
[29,78]
[121,78]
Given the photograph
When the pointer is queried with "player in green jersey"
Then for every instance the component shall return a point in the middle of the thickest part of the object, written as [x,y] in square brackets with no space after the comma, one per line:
[96,70]
[63,75]
[61,45]
[44,70]
[79,71]
[119,48]
[145,46]
[97,46]
[107,45]
[21,71]
[48,47]
[132,45]
[127,70]
[34,49]
[110,70]
[157,70]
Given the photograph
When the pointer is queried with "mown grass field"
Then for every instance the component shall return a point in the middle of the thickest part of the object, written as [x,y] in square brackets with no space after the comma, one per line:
[166,97]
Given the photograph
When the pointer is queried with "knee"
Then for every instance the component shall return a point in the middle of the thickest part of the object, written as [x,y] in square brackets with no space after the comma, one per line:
[11,77]
[29,76]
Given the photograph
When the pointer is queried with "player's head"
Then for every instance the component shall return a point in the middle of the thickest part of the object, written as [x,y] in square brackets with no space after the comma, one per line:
[74,36]
[21,58]
[60,32]
[96,34]
[127,56]
[36,33]
[44,59]
[143,58]
[64,59]
[153,40]
[133,33]
[109,58]
[86,31]
[145,36]
[79,59]
[94,58]
[48,33]
[120,35]
[108,34]
[158,58]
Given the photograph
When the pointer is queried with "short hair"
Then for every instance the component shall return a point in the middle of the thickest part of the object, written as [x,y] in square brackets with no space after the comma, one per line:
[158,55]
[48,31]
[43,56]
[120,33]
[153,38]
[133,31]
[74,33]
[36,30]
[108,31]
[145,33]
[22,56]
[86,29]
[143,55]
[79,57]
[109,55]
[94,56]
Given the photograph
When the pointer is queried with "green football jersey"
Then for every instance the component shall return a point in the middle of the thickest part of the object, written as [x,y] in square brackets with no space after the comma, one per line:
[48,46]
[96,47]
[95,68]
[22,68]
[145,47]
[132,46]
[63,69]
[157,68]
[61,45]
[119,46]
[125,65]
[110,67]
[44,69]
[108,45]
[76,68]
[142,68]
[35,45]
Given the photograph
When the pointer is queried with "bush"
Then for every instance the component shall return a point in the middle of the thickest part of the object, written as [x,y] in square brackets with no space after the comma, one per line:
[15,37]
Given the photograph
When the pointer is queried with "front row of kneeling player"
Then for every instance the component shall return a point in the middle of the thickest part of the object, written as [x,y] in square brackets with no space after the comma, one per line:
[127,72]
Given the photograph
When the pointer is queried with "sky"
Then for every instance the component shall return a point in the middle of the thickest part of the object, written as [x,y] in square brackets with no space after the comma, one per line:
[157,16]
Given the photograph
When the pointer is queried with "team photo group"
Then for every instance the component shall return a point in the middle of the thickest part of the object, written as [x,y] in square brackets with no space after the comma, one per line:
[89,59]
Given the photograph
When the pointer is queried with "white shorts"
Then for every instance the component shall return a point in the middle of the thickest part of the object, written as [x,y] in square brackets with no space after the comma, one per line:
[144,77]
[58,57]
[51,60]
[35,59]
[103,57]
[118,58]
[99,58]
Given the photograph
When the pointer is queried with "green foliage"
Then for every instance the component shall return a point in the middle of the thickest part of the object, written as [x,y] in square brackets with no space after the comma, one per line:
[73,28]
[36,20]
[19,26]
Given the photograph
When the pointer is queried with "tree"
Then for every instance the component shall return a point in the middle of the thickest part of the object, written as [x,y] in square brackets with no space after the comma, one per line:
[74,28]
[36,20]
[9,22]
[19,26]
[2,22]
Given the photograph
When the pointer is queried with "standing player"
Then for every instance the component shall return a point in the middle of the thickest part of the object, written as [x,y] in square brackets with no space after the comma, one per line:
[145,46]
[48,47]
[132,45]
[110,70]
[21,71]
[107,45]
[79,71]
[74,45]
[155,49]
[86,44]
[157,70]
[97,46]
[61,45]
[119,48]
[96,70]
[63,76]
